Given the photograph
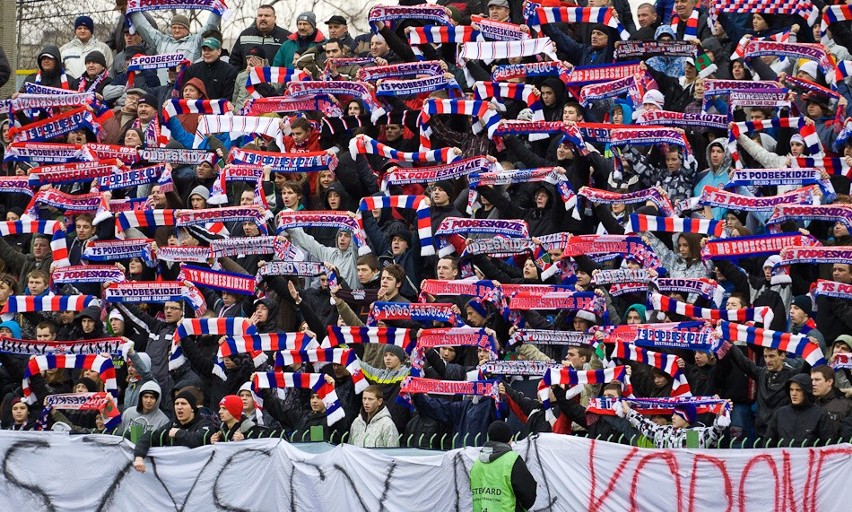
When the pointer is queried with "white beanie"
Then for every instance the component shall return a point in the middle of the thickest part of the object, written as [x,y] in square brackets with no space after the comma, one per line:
[809,67]
[115,313]
[654,97]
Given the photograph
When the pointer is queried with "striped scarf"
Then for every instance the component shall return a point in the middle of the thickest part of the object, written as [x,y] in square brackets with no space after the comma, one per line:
[576,245]
[313,381]
[499,247]
[63,79]
[431,174]
[246,173]
[657,406]
[435,13]
[484,290]
[428,339]
[464,226]
[216,6]
[829,213]
[284,162]
[156,291]
[645,136]
[498,30]
[512,91]
[811,51]
[252,245]
[497,50]
[126,177]
[15,185]
[761,314]
[416,86]
[70,204]
[842,362]
[690,32]
[646,49]
[519,367]
[361,90]
[808,132]
[44,152]
[833,289]
[253,343]
[39,363]
[114,346]
[417,203]
[342,356]
[718,198]
[226,214]
[87,84]
[143,219]
[364,145]
[584,75]
[87,274]
[31,303]
[766,98]
[833,166]
[117,250]
[58,242]
[803,8]
[324,219]
[415,312]
[126,154]
[753,246]
[574,301]
[274,75]
[633,85]
[775,177]
[792,343]
[664,362]
[795,255]
[597,195]
[603,15]
[180,254]
[240,284]
[238,125]
[668,118]
[337,336]
[553,338]
[258,106]
[572,377]
[401,70]
[505,72]
[506,177]
[640,223]
[205,327]
[25,101]
[441,35]
[176,107]
[485,117]
[56,126]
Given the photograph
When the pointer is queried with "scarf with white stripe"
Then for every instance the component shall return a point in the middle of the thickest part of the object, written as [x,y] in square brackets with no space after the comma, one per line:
[597,195]
[463,226]
[603,15]
[496,50]
[87,274]
[417,203]
[70,204]
[718,198]
[313,381]
[794,255]
[58,242]
[337,336]
[484,116]
[641,223]
[364,145]
[761,314]
[829,213]
[39,363]
[275,75]
[156,291]
[506,177]
[433,173]
[664,362]
[751,246]
[572,377]
[797,344]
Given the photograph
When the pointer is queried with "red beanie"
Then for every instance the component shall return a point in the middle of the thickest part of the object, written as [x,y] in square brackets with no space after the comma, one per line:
[233,404]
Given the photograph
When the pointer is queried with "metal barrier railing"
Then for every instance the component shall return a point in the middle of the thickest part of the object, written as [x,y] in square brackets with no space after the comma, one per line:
[447,443]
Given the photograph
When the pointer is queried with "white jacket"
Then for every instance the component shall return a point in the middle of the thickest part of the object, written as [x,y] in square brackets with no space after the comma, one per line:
[74,55]
[379,433]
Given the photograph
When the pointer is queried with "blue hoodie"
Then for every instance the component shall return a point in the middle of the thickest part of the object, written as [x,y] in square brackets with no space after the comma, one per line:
[12,326]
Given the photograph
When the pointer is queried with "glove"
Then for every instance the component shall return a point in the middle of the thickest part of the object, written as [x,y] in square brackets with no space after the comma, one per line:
[619,409]
[724,420]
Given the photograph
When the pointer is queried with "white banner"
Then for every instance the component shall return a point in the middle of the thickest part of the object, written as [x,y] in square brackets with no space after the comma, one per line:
[41,471]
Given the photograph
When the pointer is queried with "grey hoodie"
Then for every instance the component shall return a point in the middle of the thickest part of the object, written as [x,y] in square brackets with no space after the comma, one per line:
[151,420]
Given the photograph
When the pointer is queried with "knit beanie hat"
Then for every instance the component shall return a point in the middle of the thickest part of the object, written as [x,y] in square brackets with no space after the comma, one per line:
[233,404]
[189,396]
[200,190]
[686,411]
[395,350]
[181,20]
[96,57]
[447,186]
[478,306]
[804,303]
[499,431]
[309,17]
[84,21]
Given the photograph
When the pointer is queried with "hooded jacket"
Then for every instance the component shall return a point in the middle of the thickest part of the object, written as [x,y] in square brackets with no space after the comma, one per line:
[345,261]
[94,313]
[523,483]
[837,406]
[151,420]
[218,77]
[192,434]
[54,78]
[804,423]
[714,177]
